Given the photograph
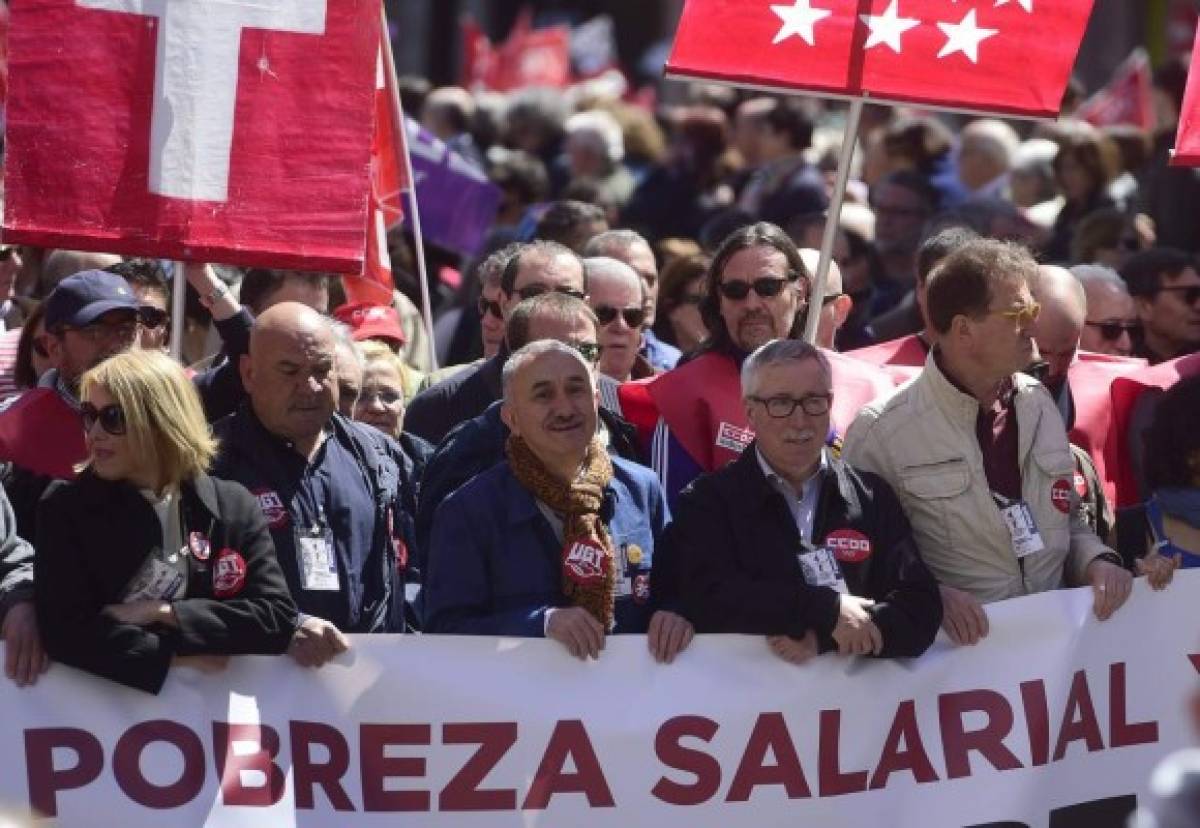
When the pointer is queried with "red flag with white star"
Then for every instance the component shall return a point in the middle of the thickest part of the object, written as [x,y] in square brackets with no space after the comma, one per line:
[1005,56]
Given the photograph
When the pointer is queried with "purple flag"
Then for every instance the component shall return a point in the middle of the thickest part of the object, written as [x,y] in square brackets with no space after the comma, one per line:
[458,203]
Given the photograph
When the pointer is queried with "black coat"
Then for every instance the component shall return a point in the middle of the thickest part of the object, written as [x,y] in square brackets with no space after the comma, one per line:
[734,545]
[93,537]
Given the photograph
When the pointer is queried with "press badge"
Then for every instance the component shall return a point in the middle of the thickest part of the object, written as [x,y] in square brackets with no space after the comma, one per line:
[157,580]
[318,563]
[820,568]
[1018,517]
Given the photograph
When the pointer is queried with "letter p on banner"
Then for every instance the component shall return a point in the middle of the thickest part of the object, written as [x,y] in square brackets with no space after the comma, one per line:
[236,132]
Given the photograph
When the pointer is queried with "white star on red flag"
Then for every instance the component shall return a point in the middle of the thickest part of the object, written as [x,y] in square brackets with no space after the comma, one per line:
[887,28]
[799,19]
[964,37]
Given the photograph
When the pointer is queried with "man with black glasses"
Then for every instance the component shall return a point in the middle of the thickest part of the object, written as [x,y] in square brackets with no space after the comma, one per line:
[1112,323]
[537,268]
[789,542]
[617,296]
[1165,285]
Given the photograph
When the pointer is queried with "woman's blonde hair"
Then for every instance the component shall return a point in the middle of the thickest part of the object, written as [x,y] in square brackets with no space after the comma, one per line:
[164,420]
[377,352]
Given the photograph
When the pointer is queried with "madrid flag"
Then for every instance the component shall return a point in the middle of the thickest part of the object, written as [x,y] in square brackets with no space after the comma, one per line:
[1005,56]
[236,132]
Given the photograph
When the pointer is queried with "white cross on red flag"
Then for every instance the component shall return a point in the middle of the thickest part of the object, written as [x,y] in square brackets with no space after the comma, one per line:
[1005,56]
[191,129]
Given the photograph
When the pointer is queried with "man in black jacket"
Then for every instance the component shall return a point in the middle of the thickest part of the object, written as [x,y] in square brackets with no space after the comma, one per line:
[790,542]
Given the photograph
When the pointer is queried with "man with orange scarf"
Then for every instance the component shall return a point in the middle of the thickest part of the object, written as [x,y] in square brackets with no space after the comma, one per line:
[559,539]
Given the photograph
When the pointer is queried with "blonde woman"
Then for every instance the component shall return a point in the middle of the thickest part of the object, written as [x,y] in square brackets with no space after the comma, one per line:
[145,561]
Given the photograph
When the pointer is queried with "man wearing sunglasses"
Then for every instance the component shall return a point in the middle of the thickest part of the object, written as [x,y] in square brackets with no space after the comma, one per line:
[1112,324]
[978,454]
[1165,286]
[536,268]
[149,284]
[791,543]
[617,297]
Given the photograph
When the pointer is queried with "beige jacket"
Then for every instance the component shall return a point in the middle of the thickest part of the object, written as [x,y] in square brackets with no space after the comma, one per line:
[922,441]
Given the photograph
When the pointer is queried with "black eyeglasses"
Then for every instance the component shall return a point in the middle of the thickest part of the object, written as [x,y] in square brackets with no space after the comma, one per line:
[634,317]
[589,351]
[1189,293]
[111,418]
[487,306]
[1111,331]
[814,405]
[152,317]
[766,288]
[530,291]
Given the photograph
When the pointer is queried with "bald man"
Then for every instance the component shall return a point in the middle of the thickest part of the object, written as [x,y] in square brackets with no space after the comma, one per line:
[1057,330]
[618,297]
[836,306]
[339,497]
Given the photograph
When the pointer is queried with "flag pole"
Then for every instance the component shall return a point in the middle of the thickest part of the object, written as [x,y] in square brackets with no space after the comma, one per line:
[393,86]
[178,296]
[816,298]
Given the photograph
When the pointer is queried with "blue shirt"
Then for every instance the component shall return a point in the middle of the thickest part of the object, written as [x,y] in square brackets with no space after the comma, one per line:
[658,353]
[495,565]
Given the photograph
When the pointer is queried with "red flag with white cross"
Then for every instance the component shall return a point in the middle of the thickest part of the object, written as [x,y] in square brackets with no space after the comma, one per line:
[1004,56]
[223,131]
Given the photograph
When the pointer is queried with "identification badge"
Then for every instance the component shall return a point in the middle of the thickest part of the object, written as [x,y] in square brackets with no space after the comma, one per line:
[820,569]
[1026,539]
[155,581]
[318,564]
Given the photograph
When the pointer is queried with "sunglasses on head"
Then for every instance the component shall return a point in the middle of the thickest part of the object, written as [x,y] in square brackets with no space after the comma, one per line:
[766,288]
[530,291]
[111,418]
[1190,294]
[1111,331]
[487,306]
[634,317]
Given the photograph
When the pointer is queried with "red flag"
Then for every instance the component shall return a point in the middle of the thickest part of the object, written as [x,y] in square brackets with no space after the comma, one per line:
[1126,99]
[1187,141]
[529,57]
[231,132]
[1011,56]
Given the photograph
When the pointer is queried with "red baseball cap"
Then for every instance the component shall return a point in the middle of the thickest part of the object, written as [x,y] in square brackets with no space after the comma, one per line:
[369,321]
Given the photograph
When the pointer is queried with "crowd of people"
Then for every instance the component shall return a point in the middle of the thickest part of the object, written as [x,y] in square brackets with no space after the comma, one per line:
[631,435]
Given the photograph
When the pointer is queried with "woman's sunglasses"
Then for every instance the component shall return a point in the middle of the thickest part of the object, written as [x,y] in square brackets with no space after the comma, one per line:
[111,418]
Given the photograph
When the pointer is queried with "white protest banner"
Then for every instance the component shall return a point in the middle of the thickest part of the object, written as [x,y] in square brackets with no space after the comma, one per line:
[1054,720]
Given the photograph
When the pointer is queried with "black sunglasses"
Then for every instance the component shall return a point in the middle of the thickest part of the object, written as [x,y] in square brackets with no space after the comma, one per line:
[766,288]
[1111,331]
[152,317]
[1189,293]
[634,317]
[530,291]
[487,306]
[111,418]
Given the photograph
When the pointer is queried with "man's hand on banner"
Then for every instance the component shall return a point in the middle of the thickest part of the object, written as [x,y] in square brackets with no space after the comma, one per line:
[1111,585]
[669,635]
[963,617]
[794,650]
[1158,569]
[316,641]
[856,633]
[214,295]
[24,657]
[577,630]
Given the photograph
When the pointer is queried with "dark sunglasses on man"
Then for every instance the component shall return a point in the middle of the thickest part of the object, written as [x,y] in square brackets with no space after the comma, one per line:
[530,291]
[1111,330]
[111,418]
[1190,294]
[765,287]
[487,306]
[634,317]
[151,317]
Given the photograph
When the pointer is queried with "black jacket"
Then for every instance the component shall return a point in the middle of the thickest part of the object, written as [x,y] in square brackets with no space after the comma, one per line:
[93,537]
[454,400]
[735,544]
[372,477]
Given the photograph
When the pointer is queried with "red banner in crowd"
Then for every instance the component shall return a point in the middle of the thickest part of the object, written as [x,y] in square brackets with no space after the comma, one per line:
[1187,142]
[227,132]
[1126,99]
[529,57]
[1013,57]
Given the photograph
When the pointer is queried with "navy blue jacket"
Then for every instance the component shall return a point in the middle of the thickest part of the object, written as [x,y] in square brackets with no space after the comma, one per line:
[361,486]
[495,563]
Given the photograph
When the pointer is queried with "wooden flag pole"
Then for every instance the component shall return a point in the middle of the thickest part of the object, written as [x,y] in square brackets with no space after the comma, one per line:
[178,297]
[393,86]
[817,298]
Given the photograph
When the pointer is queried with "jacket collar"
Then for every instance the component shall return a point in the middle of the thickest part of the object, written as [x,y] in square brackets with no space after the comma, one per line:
[748,476]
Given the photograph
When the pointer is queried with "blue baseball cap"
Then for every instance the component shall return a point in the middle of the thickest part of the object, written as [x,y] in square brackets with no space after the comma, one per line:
[83,298]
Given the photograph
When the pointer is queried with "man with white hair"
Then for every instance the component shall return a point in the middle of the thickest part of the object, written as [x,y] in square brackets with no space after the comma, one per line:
[791,543]
[1112,320]
[985,156]
[835,305]
[617,296]
[558,540]
[595,151]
